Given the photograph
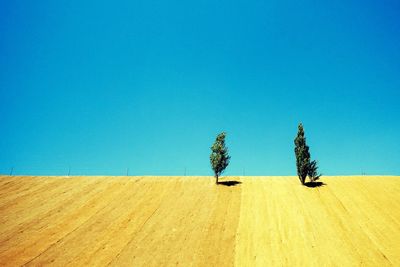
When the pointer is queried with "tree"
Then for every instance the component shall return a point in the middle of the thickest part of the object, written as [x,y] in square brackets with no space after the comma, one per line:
[313,171]
[219,157]
[302,153]
[305,167]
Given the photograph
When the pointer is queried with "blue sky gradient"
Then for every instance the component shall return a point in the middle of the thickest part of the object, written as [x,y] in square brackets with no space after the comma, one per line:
[100,86]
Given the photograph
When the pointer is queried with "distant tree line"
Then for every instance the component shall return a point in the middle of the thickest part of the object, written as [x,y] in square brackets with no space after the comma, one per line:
[306,167]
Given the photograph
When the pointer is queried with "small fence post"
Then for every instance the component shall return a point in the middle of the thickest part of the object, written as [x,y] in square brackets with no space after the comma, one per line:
[11,171]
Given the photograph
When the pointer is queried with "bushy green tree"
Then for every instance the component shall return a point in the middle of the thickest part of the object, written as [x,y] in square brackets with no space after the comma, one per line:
[219,157]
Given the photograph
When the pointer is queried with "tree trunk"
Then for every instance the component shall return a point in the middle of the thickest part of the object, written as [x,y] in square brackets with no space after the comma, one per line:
[216,179]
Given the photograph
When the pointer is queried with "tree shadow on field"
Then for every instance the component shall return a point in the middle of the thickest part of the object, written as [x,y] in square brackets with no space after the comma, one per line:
[314,184]
[229,183]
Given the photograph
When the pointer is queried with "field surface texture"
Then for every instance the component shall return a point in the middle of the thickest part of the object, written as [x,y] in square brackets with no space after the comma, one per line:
[189,221]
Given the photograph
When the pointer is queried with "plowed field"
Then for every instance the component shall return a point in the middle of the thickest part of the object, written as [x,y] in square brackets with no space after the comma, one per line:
[167,221]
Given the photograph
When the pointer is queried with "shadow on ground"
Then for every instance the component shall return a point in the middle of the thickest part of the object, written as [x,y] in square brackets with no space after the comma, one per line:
[314,184]
[229,183]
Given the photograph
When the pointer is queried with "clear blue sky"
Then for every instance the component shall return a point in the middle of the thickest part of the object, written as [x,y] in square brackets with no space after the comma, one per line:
[104,85]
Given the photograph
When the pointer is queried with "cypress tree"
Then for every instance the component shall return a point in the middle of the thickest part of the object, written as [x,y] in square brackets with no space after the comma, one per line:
[302,153]
[219,157]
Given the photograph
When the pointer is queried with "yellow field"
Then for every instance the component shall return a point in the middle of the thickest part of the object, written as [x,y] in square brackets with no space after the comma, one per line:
[165,221]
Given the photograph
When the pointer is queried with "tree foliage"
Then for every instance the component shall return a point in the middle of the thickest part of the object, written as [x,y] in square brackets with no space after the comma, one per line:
[219,157]
[313,171]
[305,167]
[302,153]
